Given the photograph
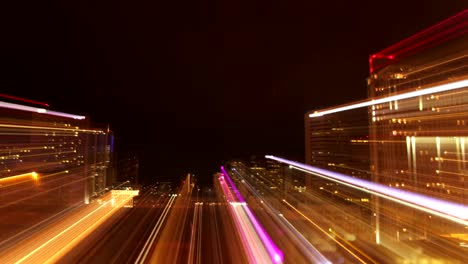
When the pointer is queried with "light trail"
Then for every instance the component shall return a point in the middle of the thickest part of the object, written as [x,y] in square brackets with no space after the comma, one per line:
[199,237]
[215,234]
[452,211]
[193,233]
[275,254]
[53,128]
[81,234]
[38,225]
[154,232]
[34,176]
[24,100]
[251,241]
[38,194]
[46,246]
[426,91]
[233,186]
[39,110]
[306,247]
[330,236]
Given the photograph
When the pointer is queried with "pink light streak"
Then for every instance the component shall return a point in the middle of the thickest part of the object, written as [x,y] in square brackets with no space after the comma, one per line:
[275,254]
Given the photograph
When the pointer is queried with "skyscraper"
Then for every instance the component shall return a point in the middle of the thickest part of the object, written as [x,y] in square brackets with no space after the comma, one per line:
[418,140]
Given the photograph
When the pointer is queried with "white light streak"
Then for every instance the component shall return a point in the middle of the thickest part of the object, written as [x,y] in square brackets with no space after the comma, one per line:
[451,211]
[38,110]
[431,90]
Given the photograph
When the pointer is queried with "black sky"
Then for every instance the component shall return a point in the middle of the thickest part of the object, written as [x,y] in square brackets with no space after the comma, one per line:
[188,85]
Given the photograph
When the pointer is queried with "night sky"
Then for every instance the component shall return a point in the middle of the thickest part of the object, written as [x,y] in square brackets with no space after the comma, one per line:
[186,85]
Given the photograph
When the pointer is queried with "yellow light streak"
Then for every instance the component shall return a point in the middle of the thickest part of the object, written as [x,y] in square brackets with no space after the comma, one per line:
[62,242]
[64,249]
[4,181]
[328,234]
[52,128]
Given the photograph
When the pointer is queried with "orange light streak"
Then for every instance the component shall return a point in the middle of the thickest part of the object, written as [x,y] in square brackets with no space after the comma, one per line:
[4,181]
[75,228]
[327,234]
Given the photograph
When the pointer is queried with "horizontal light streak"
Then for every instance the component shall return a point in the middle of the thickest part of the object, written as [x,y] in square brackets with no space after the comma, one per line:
[33,175]
[3,205]
[24,100]
[448,210]
[39,110]
[415,206]
[52,128]
[434,89]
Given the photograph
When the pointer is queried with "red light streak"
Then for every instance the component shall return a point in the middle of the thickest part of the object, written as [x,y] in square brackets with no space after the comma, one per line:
[443,31]
[24,100]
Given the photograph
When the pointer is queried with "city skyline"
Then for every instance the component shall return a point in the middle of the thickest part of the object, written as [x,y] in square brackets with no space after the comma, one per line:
[199,158]
[190,88]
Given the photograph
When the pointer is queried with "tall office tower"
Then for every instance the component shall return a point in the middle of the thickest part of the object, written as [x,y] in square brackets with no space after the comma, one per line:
[418,140]
[49,162]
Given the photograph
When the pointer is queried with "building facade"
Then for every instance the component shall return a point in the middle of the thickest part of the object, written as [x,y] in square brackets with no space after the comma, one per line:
[49,161]
[410,134]
[418,142]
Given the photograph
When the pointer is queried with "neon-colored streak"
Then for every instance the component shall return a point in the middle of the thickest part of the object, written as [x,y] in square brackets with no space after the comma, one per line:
[275,254]
[253,246]
[308,249]
[236,191]
[39,110]
[250,240]
[448,210]
[34,176]
[441,32]
[431,90]
[24,100]
[227,192]
[272,250]
[323,231]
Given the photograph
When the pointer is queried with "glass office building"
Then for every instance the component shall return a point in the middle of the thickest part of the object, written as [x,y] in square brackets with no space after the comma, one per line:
[49,161]
[418,141]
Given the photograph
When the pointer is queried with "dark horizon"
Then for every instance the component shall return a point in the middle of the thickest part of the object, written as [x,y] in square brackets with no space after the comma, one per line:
[188,88]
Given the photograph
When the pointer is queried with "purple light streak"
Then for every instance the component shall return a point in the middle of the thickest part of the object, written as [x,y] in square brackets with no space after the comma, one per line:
[275,253]
[234,188]
[455,210]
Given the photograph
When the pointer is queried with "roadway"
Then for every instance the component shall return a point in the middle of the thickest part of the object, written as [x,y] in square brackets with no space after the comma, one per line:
[121,239]
[165,229]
